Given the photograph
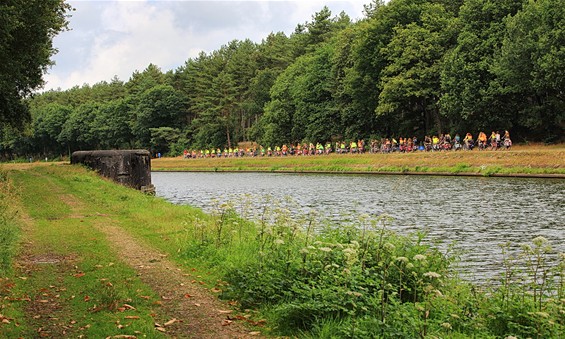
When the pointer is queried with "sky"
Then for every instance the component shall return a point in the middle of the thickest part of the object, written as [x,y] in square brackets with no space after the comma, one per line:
[115,38]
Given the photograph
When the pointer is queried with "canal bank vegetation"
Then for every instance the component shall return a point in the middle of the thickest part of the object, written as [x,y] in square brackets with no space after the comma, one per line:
[302,277]
[521,160]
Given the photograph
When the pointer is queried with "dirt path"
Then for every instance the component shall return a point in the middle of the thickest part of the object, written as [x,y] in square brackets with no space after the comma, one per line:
[199,314]
[190,309]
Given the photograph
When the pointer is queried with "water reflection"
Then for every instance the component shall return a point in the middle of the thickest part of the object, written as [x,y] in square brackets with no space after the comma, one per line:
[476,213]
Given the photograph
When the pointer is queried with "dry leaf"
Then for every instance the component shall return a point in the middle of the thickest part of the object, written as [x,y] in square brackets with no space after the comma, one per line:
[129,307]
[78,275]
[187,295]
[226,322]
[160,329]
[170,322]
[255,333]
[225,312]
[131,317]
[216,290]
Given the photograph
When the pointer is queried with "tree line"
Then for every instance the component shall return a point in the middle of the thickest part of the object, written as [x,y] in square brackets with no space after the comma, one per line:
[408,67]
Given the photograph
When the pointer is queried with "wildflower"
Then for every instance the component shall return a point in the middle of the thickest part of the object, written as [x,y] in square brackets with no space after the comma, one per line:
[356,294]
[526,248]
[354,243]
[453,315]
[402,260]
[389,247]
[446,326]
[539,241]
[410,266]
[419,257]
[510,337]
[327,267]
[325,249]
[304,251]
[543,314]
[279,242]
[432,275]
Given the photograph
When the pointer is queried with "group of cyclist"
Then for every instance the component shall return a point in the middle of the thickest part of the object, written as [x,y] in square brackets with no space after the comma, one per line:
[442,142]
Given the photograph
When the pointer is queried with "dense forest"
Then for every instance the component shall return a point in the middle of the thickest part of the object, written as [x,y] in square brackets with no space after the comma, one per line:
[407,68]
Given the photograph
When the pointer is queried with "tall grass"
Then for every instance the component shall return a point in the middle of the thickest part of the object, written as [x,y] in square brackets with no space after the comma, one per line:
[8,227]
[361,280]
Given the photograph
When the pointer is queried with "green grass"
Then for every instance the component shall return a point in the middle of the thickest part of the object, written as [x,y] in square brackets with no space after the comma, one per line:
[356,280]
[88,286]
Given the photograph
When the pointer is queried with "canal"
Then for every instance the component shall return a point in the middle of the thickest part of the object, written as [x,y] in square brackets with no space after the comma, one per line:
[477,214]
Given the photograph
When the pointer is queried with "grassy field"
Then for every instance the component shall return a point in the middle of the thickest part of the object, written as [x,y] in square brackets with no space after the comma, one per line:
[68,264]
[520,160]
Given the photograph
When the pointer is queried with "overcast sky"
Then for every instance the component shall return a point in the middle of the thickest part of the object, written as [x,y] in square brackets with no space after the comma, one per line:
[115,38]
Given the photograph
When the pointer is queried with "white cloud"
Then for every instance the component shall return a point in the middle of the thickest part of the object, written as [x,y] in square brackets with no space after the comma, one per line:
[111,38]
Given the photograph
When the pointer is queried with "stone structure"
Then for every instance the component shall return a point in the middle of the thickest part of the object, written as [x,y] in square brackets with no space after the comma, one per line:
[131,168]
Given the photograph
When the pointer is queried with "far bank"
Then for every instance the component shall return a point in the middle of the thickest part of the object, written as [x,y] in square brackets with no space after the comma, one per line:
[520,161]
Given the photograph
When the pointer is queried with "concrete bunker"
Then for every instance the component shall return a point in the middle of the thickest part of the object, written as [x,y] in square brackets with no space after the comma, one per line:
[130,168]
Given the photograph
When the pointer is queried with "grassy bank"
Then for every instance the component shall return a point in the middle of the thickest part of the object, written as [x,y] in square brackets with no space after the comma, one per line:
[520,160]
[356,280]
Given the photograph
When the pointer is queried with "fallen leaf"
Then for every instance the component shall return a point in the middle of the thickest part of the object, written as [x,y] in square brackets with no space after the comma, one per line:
[225,312]
[131,317]
[146,297]
[255,333]
[160,329]
[166,298]
[78,275]
[216,290]
[86,298]
[226,322]
[187,295]
[198,305]
[129,307]
[170,322]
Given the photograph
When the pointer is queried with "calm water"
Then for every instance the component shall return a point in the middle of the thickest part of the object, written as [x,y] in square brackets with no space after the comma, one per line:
[476,213]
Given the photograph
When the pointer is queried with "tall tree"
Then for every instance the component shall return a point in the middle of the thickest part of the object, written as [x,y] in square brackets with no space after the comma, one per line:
[531,69]
[27,29]
[410,86]
[471,97]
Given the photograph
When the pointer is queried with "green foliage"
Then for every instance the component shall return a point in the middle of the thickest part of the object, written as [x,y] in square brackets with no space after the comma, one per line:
[360,280]
[8,227]
[410,67]
[531,65]
[26,46]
